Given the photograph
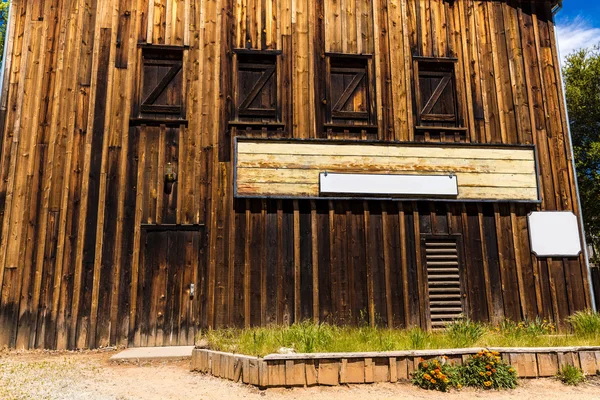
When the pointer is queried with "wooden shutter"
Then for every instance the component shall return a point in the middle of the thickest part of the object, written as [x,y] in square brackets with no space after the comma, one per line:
[349,90]
[256,90]
[436,94]
[444,282]
[161,91]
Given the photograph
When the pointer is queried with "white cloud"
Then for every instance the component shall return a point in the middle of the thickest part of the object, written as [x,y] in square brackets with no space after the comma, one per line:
[576,34]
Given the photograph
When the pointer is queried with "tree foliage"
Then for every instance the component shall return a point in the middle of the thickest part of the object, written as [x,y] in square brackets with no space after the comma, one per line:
[4,5]
[582,79]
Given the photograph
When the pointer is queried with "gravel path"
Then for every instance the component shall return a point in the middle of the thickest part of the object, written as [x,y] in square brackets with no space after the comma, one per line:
[89,375]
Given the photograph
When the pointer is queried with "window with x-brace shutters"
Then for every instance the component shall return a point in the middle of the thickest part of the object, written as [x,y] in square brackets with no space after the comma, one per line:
[256,97]
[349,90]
[435,90]
[161,86]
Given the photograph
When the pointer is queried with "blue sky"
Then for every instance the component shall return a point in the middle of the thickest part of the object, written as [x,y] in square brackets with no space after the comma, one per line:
[578,25]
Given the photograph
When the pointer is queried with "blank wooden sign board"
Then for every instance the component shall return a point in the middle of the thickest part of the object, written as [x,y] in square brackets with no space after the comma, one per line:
[554,234]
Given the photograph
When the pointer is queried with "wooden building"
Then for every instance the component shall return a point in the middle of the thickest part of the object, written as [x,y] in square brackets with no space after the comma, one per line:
[169,166]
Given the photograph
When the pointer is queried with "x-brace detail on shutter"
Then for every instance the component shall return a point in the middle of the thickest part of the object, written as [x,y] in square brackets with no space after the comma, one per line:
[245,109]
[337,110]
[148,104]
[444,84]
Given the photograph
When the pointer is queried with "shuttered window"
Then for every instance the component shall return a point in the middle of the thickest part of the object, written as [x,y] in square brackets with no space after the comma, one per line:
[444,280]
[435,89]
[256,96]
[349,91]
[161,91]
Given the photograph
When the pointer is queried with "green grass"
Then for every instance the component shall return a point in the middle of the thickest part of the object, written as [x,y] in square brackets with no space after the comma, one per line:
[307,337]
[570,375]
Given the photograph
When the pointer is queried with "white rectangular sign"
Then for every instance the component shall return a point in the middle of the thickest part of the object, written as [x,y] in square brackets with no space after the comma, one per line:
[554,234]
[388,185]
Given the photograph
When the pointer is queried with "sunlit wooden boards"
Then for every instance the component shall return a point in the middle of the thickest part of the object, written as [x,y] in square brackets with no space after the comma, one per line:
[291,169]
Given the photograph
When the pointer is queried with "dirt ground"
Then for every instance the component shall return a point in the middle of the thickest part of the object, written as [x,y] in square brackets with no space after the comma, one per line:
[90,375]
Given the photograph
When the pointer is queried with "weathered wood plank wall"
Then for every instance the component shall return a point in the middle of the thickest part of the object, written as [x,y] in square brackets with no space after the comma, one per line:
[78,179]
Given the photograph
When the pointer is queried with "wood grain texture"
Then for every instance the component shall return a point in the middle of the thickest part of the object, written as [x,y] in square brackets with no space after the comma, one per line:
[291,169]
[93,234]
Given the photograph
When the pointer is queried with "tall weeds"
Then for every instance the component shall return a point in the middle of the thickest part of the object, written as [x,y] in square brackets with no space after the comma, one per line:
[585,323]
[465,332]
[308,337]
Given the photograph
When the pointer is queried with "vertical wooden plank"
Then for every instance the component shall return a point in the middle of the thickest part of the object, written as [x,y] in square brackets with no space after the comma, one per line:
[387,267]
[297,283]
[324,247]
[150,23]
[306,267]
[315,260]
[510,290]
[94,171]
[271,264]
[419,267]
[493,260]
[247,276]
[370,285]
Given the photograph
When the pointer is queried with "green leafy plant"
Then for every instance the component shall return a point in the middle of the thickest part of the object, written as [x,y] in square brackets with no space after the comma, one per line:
[434,374]
[570,375]
[465,332]
[487,370]
[585,323]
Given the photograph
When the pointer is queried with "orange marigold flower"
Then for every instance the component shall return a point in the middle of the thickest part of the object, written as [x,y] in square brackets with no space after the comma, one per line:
[488,367]
[427,376]
[432,381]
[425,365]
[494,370]
[511,370]
[481,373]
[487,383]
[488,373]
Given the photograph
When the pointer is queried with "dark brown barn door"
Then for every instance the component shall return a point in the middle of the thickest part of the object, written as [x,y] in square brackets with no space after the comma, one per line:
[444,280]
[167,312]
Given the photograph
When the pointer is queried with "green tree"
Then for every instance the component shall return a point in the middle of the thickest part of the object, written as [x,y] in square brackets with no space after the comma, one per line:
[581,73]
[4,5]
